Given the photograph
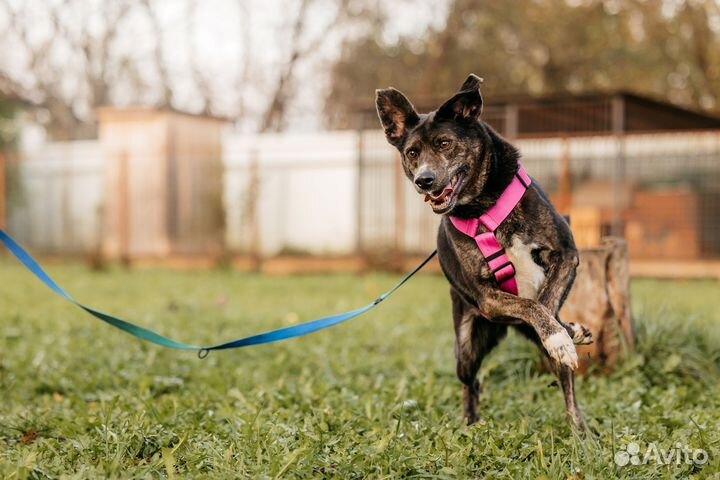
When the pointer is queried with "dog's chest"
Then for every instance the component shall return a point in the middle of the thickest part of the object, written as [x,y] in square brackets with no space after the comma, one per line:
[528,274]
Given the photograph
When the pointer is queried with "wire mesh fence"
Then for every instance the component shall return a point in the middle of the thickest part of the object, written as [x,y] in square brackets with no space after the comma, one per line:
[345,194]
[55,196]
[666,199]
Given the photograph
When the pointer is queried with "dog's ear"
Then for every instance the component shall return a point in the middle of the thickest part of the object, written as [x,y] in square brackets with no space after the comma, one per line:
[466,104]
[396,113]
[473,82]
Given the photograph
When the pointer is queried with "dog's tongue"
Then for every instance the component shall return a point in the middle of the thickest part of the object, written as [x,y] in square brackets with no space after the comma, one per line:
[445,193]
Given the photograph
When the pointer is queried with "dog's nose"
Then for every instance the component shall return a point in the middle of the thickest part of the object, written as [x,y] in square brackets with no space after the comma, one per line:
[425,180]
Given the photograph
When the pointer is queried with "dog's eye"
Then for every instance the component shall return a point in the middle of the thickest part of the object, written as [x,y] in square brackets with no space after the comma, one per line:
[443,143]
[412,153]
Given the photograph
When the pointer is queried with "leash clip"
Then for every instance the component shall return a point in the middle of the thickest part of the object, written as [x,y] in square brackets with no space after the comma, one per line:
[203,353]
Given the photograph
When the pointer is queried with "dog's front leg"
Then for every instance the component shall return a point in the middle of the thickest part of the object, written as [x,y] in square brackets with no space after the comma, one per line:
[554,339]
[558,281]
[499,306]
[559,278]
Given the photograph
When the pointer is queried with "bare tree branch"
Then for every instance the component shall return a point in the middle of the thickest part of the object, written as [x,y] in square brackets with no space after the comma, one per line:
[274,117]
[243,78]
[160,63]
[199,79]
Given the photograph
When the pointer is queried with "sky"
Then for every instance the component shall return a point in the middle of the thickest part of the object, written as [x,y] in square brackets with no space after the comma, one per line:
[220,37]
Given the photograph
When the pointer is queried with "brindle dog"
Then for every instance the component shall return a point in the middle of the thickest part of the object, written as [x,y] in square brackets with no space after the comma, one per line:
[462,166]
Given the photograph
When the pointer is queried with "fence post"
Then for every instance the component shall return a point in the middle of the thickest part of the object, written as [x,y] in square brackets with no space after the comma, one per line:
[67,237]
[564,197]
[359,247]
[399,211]
[254,190]
[124,209]
[511,121]
[3,192]
[618,130]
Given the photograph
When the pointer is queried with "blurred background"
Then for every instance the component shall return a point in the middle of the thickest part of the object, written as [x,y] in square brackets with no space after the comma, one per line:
[243,132]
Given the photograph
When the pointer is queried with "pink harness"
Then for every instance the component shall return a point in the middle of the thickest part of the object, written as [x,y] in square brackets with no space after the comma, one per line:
[501,266]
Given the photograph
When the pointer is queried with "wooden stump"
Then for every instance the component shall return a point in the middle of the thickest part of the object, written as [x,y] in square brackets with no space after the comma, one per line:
[600,300]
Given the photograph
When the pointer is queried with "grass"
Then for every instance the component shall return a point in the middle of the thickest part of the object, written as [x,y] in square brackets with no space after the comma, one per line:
[376,397]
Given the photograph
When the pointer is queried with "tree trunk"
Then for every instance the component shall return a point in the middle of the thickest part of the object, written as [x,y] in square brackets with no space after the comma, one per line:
[600,300]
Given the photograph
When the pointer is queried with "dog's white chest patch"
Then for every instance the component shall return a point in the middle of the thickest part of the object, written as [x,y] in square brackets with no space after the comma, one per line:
[528,274]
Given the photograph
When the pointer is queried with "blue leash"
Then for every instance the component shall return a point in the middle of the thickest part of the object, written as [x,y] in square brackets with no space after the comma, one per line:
[156,338]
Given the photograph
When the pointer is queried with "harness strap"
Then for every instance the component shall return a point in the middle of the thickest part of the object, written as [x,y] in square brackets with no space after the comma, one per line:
[490,248]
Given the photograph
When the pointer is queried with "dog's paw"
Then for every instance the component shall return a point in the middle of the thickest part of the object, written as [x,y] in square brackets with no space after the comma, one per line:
[561,349]
[581,335]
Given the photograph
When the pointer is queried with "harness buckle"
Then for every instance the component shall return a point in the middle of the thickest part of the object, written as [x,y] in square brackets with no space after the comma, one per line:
[504,272]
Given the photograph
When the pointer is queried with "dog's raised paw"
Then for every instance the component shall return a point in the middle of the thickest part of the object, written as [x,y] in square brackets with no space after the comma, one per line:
[581,335]
[561,349]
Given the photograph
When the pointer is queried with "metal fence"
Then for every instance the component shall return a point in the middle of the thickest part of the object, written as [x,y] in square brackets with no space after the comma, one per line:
[291,193]
[660,190]
[55,197]
[344,193]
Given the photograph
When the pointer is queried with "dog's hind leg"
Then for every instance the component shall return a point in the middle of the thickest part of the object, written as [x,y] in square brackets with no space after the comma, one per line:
[475,337]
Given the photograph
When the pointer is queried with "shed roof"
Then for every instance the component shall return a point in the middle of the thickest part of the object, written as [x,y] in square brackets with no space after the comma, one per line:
[588,114]
[591,114]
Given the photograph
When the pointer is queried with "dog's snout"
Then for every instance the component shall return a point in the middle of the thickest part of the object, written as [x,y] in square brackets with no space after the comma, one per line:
[425,180]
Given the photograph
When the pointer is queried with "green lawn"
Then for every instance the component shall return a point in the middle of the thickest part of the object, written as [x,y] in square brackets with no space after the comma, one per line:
[376,397]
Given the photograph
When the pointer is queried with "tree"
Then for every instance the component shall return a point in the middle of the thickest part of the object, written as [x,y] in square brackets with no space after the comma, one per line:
[666,49]
[72,56]
[54,86]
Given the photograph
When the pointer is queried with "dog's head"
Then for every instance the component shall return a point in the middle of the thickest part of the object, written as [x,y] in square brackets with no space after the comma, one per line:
[442,152]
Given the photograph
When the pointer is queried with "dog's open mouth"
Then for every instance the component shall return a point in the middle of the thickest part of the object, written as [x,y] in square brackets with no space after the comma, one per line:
[446,199]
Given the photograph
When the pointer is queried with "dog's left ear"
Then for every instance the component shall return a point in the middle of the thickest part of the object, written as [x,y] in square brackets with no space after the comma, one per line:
[473,82]
[466,104]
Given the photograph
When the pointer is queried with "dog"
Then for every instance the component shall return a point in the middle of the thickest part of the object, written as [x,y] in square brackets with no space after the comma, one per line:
[462,166]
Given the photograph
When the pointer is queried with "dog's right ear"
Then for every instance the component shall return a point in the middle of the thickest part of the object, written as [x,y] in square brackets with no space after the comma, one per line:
[397,115]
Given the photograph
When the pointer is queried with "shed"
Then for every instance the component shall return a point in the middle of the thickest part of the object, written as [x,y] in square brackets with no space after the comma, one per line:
[163,185]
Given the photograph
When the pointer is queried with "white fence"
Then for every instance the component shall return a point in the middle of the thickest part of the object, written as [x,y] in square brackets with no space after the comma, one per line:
[329,193]
[305,197]
[55,197]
